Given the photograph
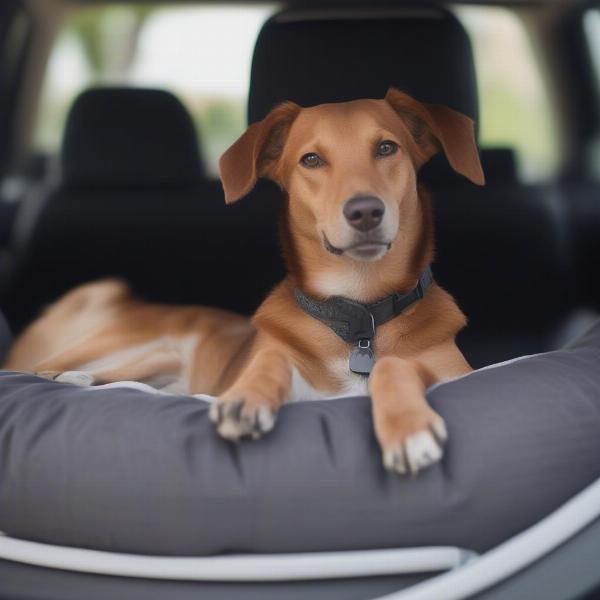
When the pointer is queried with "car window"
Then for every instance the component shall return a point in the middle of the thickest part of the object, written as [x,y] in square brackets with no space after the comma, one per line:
[202,54]
[591,27]
[515,110]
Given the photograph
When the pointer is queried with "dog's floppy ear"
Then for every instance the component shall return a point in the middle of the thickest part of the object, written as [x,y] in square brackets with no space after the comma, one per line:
[435,127]
[256,152]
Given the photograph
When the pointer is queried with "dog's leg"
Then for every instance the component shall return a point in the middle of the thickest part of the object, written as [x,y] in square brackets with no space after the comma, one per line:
[411,434]
[154,364]
[86,351]
[249,406]
[81,365]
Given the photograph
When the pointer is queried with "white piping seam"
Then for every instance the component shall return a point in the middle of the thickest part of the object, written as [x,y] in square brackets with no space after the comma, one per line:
[144,387]
[486,368]
[475,575]
[513,555]
[248,567]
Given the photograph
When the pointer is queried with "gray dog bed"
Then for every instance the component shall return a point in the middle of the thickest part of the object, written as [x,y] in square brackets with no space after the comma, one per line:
[128,471]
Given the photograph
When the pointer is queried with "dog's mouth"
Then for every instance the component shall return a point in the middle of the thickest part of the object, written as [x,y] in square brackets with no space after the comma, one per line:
[366,249]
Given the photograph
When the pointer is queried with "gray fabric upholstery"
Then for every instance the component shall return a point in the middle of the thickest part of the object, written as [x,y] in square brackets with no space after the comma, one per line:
[125,470]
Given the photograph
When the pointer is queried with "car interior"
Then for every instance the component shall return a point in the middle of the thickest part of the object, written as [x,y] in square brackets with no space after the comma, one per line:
[128,189]
[127,194]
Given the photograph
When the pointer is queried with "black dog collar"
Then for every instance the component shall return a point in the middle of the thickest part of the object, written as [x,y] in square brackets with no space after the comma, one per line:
[356,323]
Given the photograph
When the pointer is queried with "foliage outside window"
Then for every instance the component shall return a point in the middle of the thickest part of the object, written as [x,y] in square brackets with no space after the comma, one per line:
[591,26]
[203,55]
[514,107]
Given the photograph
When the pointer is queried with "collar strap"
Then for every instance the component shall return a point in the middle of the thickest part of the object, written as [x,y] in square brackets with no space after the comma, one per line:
[354,321]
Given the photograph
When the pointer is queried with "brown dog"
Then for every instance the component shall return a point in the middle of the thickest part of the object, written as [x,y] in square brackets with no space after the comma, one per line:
[357,226]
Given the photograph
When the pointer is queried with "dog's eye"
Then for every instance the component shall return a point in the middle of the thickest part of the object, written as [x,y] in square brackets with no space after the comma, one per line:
[386,148]
[312,161]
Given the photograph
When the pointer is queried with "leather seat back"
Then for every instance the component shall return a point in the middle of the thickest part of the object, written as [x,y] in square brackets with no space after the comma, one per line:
[499,248]
[132,201]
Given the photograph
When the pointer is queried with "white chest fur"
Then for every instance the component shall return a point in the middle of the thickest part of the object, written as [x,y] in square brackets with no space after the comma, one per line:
[350,384]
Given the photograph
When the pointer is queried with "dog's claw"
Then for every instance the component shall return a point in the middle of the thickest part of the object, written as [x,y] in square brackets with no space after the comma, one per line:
[215,412]
[233,410]
[394,460]
[419,451]
[236,419]
[438,428]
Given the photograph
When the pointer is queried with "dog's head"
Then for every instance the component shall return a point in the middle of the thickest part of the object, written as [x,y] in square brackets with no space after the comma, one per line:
[350,168]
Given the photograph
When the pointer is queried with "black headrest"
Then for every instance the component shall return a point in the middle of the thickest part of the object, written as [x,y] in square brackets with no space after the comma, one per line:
[317,59]
[499,166]
[129,136]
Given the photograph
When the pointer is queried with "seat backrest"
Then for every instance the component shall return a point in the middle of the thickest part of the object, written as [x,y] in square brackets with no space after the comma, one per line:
[499,247]
[582,200]
[501,252]
[132,201]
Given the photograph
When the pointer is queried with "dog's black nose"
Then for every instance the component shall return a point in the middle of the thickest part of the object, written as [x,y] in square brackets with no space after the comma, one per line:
[364,212]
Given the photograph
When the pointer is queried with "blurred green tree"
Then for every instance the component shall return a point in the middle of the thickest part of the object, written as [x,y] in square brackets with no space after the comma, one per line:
[90,28]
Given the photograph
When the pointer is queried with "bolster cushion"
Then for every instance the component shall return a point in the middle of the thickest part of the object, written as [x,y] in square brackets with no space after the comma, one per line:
[126,470]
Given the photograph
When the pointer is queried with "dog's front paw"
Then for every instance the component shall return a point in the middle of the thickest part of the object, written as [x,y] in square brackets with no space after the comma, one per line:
[415,449]
[241,416]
